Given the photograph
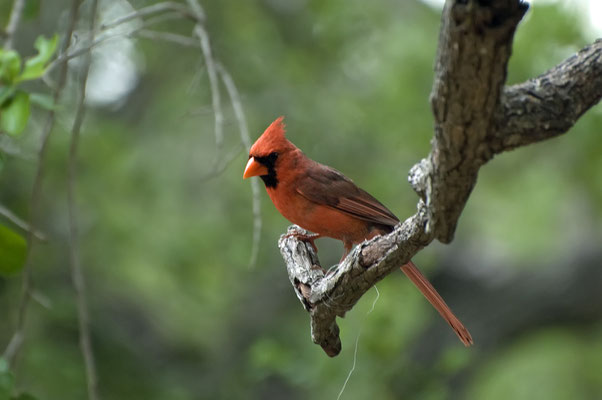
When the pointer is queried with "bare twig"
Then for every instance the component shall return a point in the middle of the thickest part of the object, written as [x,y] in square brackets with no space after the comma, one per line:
[62,58]
[166,16]
[159,12]
[167,37]
[152,10]
[77,274]
[215,92]
[197,10]
[12,217]
[16,341]
[216,102]
[13,23]
[138,32]
[246,140]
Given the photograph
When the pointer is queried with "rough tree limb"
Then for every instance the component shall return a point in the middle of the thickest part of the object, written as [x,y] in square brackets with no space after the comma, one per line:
[475,118]
[550,104]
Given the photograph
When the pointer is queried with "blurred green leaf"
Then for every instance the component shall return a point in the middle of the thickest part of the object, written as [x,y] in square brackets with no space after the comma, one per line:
[13,249]
[5,93]
[10,65]
[42,100]
[7,380]
[35,67]
[13,117]
[1,161]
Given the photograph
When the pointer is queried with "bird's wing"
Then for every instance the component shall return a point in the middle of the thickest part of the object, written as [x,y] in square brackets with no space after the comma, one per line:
[327,186]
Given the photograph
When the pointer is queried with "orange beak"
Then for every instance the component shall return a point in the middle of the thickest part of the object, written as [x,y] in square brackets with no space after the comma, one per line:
[254,168]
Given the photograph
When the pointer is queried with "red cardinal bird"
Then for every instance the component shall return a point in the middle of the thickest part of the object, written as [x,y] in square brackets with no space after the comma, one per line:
[322,200]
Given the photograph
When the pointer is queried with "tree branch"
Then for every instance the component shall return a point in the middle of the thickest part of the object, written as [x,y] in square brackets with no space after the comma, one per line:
[331,295]
[470,71]
[549,105]
[475,117]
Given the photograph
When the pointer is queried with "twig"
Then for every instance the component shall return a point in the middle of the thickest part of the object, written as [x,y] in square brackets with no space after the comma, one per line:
[141,32]
[13,23]
[83,50]
[12,217]
[16,341]
[166,16]
[77,274]
[216,103]
[167,37]
[179,9]
[246,140]
[151,10]
[198,11]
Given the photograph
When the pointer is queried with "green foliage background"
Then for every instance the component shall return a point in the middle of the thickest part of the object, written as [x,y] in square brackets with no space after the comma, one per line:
[175,311]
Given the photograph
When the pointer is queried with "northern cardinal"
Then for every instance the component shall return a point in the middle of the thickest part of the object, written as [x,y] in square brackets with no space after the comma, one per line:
[322,200]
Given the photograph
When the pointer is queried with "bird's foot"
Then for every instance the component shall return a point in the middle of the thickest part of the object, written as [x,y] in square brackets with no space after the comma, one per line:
[308,238]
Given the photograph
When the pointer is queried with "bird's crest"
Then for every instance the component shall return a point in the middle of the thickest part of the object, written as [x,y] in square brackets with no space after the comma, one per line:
[276,128]
[273,139]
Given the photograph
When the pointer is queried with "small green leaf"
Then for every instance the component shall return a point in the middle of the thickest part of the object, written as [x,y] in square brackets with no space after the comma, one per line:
[10,66]
[14,116]
[36,66]
[42,100]
[13,250]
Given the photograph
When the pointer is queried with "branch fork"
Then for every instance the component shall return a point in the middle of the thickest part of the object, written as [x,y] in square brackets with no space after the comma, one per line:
[476,117]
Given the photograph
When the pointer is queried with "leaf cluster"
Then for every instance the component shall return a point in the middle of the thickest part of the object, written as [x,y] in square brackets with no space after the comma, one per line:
[15,102]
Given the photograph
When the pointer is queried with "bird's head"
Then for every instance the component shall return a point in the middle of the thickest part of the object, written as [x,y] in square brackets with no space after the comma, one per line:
[266,152]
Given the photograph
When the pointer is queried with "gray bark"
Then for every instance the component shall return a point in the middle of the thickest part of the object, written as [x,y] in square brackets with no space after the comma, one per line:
[475,118]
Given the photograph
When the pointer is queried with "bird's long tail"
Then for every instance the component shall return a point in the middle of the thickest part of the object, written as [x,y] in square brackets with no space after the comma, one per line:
[437,301]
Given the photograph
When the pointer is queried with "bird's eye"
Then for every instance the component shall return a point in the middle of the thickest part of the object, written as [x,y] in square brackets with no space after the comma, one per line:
[273,155]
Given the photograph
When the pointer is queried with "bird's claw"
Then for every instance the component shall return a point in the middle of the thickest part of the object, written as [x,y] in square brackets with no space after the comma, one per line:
[307,238]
